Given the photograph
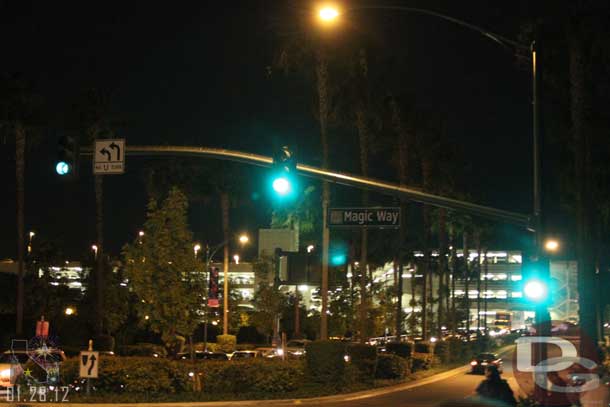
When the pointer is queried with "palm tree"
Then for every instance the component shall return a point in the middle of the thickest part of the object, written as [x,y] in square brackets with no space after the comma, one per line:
[18,115]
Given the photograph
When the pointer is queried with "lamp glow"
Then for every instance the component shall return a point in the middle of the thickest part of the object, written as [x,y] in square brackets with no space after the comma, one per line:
[535,290]
[281,185]
[62,168]
[328,13]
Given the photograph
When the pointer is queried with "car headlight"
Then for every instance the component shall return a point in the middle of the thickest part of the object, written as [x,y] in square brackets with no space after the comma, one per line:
[5,374]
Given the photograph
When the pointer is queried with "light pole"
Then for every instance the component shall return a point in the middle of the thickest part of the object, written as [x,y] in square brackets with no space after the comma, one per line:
[32,234]
[209,255]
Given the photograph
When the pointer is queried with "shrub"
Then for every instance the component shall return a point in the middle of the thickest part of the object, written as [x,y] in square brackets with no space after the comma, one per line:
[325,362]
[391,367]
[403,349]
[441,350]
[128,374]
[143,349]
[226,343]
[364,359]
[136,375]
[255,375]
[423,361]
[422,347]
[104,343]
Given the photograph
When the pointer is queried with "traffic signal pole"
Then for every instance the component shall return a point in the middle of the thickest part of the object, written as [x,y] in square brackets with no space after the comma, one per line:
[341,178]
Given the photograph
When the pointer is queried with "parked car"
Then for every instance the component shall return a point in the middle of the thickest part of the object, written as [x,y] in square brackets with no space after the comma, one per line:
[201,355]
[269,352]
[482,360]
[245,354]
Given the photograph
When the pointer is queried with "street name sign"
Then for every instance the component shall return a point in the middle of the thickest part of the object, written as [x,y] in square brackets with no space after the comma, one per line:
[388,217]
[89,361]
[109,156]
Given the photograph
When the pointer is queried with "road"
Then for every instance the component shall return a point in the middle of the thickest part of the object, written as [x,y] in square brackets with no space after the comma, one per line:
[455,388]
[450,388]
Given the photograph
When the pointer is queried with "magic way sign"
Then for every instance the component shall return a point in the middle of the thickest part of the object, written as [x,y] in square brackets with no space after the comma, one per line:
[387,217]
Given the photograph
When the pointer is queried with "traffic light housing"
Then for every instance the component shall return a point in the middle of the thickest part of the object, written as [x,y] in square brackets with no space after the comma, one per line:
[67,156]
[536,280]
[283,180]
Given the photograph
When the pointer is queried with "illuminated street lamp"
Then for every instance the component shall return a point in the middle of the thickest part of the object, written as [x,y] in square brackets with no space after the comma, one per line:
[196,248]
[94,248]
[243,239]
[69,311]
[551,245]
[328,13]
[32,234]
[236,258]
[310,248]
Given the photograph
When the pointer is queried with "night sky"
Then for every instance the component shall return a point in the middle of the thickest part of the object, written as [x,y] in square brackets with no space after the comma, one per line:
[195,73]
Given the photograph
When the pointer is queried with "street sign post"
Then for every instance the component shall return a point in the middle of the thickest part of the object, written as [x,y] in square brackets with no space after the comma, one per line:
[383,217]
[109,157]
[89,361]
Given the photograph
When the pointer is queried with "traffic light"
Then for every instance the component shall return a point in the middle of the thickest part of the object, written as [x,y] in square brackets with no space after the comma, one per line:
[284,172]
[67,156]
[536,280]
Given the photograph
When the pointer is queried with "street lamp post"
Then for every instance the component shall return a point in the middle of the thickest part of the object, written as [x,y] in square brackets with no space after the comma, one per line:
[209,255]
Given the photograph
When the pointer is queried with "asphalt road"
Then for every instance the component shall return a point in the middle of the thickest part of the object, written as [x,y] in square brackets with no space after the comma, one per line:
[447,389]
[455,389]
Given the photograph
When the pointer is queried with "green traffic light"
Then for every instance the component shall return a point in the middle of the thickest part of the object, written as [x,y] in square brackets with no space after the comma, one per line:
[281,185]
[535,290]
[62,168]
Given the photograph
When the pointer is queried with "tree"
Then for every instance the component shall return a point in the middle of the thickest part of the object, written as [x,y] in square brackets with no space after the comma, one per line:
[163,272]
[19,113]
[268,303]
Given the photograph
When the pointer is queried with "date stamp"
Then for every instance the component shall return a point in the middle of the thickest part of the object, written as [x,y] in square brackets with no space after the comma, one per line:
[37,394]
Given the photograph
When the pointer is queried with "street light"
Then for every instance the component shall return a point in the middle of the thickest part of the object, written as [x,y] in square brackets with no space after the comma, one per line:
[69,311]
[551,245]
[94,248]
[32,234]
[196,248]
[141,233]
[243,239]
[328,13]
[236,258]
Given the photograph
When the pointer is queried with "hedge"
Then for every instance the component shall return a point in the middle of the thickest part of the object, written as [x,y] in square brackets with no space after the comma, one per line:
[403,349]
[143,349]
[325,362]
[364,359]
[422,347]
[441,350]
[162,376]
[391,367]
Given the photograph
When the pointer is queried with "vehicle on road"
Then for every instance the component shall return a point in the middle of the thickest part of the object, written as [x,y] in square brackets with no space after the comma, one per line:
[482,360]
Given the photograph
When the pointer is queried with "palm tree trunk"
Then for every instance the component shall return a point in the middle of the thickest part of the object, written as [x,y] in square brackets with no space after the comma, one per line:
[363,137]
[579,109]
[20,140]
[99,256]
[426,271]
[323,110]
[478,276]
[224,204]
[442,265]
[467,281]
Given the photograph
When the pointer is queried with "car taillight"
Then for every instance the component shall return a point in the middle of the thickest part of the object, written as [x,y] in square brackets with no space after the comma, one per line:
[474,363]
